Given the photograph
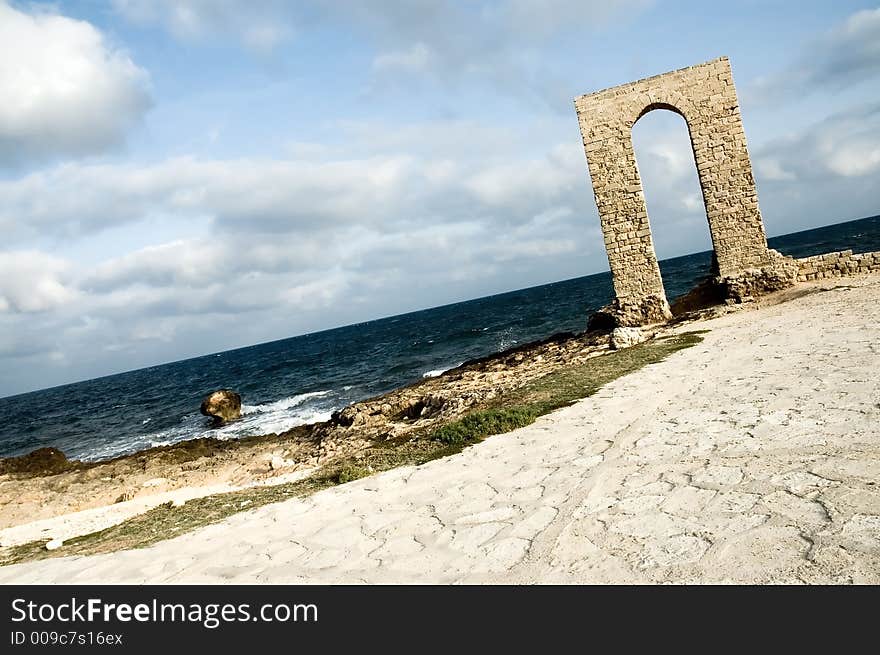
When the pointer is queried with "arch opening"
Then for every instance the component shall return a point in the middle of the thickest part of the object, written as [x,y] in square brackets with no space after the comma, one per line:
[679,224]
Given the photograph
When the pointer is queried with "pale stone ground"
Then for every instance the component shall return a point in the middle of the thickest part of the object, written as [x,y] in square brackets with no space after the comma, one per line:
[752,457]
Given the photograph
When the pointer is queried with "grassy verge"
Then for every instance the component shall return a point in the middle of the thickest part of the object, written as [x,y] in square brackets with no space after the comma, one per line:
[521,407]
[505,413]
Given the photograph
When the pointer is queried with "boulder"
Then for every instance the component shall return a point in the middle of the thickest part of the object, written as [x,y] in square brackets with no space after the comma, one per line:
[425,407]
[223,406]
[349,416]
[624,337]
[40,462]
[277,463]
[648,310]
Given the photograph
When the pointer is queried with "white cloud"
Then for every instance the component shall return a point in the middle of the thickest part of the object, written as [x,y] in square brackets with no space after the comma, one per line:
[845,55]
[855,158]
[542,18]
[289,246]
[413,60]
[828,173]
[416,43]
[65,90]
[389,191]
[33,281]
[252,195]
[518,249]
[496,43]
[692,202]
[846,144]
[178,263]
[771,169]
[533,183]
[259,25]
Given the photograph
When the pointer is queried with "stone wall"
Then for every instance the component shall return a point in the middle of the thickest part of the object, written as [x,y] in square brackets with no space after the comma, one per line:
[837,264]
[705,97]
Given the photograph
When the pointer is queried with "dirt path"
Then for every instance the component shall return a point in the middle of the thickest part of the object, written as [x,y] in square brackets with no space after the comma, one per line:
[751,457]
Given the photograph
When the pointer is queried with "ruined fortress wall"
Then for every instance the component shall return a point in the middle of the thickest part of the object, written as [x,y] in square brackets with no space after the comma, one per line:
[837,264]
[704,95]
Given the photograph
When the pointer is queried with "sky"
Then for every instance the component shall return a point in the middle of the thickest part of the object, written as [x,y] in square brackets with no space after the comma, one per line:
[181,177]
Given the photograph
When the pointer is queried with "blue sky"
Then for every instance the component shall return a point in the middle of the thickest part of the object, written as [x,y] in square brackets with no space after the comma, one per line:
[178,178]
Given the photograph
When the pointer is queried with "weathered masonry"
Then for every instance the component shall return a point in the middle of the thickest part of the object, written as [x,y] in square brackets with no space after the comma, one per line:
[704,95]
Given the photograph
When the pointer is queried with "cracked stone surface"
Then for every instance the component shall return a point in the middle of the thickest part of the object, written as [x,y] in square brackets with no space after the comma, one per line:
[751,457]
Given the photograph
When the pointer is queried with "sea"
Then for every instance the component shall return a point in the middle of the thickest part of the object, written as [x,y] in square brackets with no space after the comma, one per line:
[305,378]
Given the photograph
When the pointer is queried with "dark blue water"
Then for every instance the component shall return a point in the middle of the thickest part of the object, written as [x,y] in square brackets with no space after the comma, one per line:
[302,379]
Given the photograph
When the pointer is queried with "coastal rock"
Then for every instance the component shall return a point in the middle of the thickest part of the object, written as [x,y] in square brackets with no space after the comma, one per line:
[277,462]
[125,496]
[425,407]
[648,310]
[624,337]
[781,273]
[223,406]
[349,416]
[40,462]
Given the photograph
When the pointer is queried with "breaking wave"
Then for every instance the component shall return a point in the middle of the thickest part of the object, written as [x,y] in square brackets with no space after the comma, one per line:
[266,418]
[283,404]
[437,372]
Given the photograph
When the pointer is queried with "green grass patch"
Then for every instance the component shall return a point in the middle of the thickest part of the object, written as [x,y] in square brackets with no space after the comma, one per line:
[351,472]
[481,424]
[507,412]
[560,388]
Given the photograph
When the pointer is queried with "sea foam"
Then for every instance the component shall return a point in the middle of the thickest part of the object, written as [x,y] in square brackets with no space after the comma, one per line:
[437,372]
[283,404]
[266,418]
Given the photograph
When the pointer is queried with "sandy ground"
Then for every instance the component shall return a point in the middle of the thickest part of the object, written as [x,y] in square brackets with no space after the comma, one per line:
[752,457]
[87,521]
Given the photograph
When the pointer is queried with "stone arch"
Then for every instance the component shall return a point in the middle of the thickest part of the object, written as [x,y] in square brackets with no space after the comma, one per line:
[704,184]
[705,97]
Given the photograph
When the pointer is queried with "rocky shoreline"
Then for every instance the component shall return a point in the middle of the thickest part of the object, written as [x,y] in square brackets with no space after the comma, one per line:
[44,484]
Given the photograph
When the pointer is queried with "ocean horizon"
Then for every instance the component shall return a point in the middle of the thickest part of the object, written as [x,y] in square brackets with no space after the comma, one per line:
[303,379]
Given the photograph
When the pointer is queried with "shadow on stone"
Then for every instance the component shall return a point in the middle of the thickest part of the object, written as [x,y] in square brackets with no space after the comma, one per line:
[707,293]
